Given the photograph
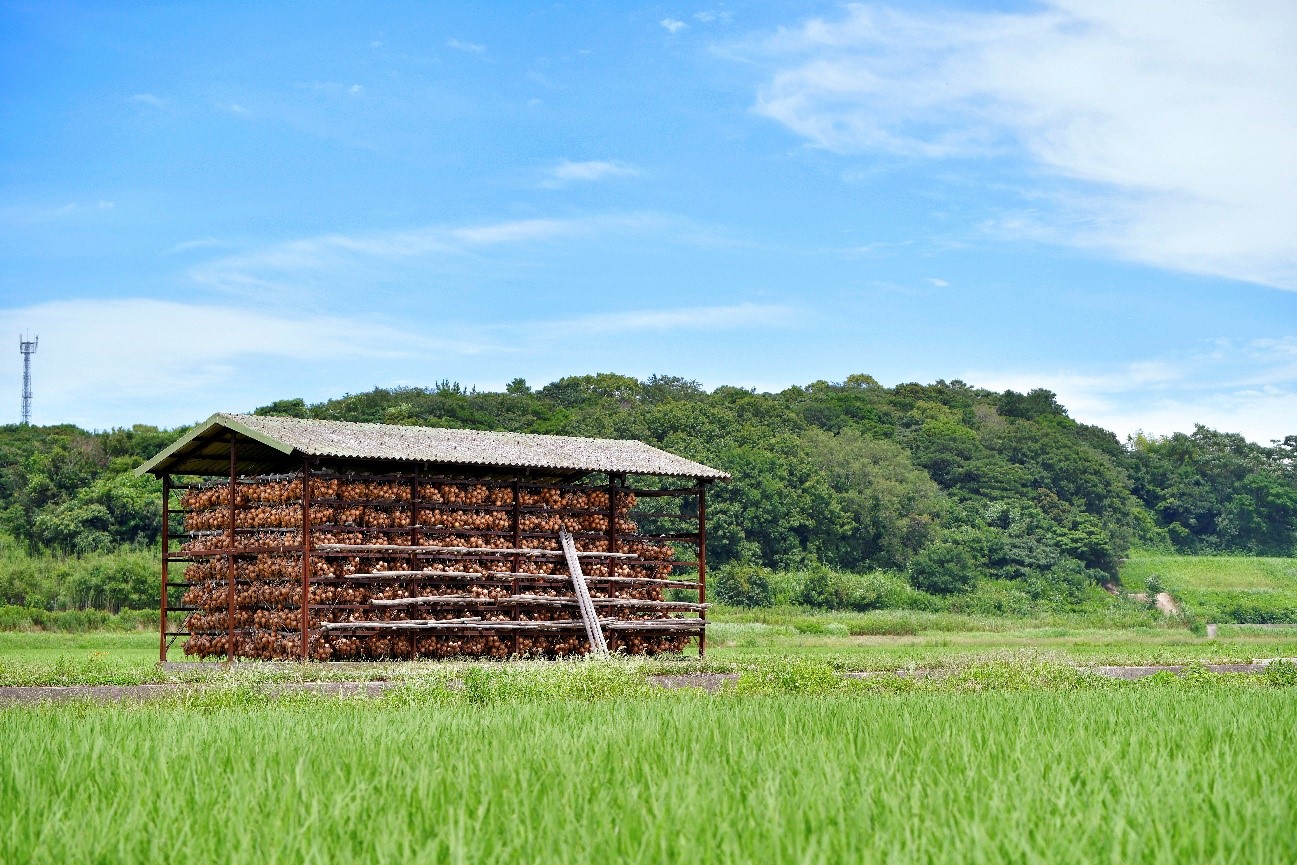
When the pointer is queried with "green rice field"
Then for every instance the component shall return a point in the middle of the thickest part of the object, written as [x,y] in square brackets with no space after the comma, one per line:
[583,763]
[988,740]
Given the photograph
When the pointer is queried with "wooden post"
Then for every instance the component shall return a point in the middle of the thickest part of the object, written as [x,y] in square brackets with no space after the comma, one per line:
[305,649]
[702,564]
[166,548]
[229,558]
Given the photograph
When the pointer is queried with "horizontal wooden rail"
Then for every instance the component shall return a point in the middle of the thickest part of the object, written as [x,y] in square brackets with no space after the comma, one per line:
[533,600]
[505,551]
[508,625]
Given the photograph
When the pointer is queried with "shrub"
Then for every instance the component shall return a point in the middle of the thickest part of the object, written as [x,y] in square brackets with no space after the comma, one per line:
[742,585]
[126,578]
[945,568]
[994,598]
[842,590]
[15,618]
[1281,674]
[823,588]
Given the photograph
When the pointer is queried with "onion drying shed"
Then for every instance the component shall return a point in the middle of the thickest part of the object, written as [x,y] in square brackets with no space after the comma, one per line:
[331,540]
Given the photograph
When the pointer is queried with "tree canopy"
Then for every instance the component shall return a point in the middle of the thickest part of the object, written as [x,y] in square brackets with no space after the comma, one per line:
[948,483]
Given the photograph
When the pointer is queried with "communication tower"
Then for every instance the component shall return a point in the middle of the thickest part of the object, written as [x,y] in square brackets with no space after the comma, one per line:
[28,348]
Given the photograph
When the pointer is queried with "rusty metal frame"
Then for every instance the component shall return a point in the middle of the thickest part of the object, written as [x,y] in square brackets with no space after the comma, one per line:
[616,487]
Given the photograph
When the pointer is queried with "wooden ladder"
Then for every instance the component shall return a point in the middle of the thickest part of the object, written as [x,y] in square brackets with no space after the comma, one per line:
[598,645]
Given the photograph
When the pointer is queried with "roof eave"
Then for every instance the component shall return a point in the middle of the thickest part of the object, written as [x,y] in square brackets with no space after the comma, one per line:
[157,465]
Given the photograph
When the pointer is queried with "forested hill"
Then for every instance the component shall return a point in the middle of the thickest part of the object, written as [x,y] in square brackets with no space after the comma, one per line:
[949,483]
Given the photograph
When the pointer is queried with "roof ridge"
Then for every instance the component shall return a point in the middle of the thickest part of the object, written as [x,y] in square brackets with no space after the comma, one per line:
[427,427]
[282,439]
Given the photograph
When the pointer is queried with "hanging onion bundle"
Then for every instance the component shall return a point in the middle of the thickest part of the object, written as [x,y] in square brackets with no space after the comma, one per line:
[382,513]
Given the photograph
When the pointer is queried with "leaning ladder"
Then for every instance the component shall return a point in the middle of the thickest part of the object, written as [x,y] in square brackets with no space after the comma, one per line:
[598,646]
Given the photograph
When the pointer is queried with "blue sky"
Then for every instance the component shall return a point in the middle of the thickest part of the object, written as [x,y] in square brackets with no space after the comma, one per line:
[210,206]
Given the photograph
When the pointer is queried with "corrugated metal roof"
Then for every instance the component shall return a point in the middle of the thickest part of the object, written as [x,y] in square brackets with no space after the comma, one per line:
[366,441]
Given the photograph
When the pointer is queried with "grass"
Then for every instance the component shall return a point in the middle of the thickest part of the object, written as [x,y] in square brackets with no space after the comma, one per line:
[583,762]
[1005,751]
[739,639]
[1123,633]
[1242,589]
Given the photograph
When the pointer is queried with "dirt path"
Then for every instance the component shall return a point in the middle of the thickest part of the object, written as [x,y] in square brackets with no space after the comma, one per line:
[107,693]
[1164,602]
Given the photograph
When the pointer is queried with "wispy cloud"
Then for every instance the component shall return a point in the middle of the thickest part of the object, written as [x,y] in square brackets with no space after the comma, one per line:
[592,170]
[295,266]
[191,245]
[94,353]
[466,47]
[105,362]
[31,214]
[1245,387]
[1161,132]
[522,230]
[711,318]
[674,25]
[149,99]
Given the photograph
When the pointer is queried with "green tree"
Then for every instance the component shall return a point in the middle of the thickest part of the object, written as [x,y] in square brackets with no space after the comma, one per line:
[894,506]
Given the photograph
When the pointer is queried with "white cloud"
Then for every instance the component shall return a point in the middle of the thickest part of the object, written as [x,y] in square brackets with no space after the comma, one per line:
[37,213]
[112,362]
[466,47]
[103,361]
[689,318]
[293,266]
[672,24]
[937,283]
[592,170]
[1159,131]
[521,230]
[232,108]
[1248,388]
[149,99]
[188,245]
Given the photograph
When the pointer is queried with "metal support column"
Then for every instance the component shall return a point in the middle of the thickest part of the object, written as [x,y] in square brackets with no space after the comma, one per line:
[702,564]
[516,520]
[305,648]
[166,547]
[612,537]
[229,558]
[414,560]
